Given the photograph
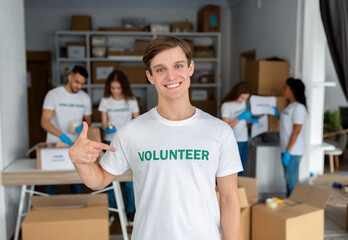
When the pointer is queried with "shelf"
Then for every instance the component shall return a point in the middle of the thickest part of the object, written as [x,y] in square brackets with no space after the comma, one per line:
[72,60]
[205,59]
[132,85]
[119,58]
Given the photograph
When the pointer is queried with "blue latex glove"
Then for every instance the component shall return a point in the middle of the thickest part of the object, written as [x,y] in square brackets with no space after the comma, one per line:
[276,112]
[286,158]
[246,115]
[110,131]
[65,139]
[253,120]
[78,129]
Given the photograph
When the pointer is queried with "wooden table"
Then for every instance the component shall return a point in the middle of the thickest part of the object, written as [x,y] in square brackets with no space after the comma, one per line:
[23,172]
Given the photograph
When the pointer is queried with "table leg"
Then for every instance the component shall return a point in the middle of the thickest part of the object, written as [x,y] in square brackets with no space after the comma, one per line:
[120,208]
[20,211]
[31,193]
[331,163]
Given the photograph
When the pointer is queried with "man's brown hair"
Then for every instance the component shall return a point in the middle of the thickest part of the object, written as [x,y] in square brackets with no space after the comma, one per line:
[163,43]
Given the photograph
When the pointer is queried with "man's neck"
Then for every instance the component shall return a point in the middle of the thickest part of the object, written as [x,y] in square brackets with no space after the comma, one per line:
[175,110]
[68,89]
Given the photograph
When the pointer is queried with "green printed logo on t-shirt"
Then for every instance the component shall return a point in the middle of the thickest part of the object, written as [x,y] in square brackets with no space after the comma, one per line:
[71,105]
[286,113]
[118,110]
[179,154]
[239,111]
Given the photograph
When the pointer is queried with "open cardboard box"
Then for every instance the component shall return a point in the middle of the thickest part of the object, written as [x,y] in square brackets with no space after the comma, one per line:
[55,156]
[248,195]
[300,217]
[68,217]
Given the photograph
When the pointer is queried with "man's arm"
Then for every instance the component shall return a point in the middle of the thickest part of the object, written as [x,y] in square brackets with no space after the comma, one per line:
[88,119]
[229,206]
[83,155]
[46,124]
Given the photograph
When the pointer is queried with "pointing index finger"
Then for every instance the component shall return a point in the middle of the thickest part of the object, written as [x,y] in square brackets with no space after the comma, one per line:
[103,146]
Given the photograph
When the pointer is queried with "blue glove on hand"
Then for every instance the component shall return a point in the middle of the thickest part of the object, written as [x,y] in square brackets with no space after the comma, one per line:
[78,129]
[110,131]
[246,115]
[253,120]
[65,139]
[286,158]
[276,112]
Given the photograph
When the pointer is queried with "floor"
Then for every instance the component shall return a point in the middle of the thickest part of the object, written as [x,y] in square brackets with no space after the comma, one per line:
[332,230]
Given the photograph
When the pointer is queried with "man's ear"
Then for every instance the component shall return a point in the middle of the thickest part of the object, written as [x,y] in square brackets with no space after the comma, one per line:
[191,68]
[70,76]
[150,77]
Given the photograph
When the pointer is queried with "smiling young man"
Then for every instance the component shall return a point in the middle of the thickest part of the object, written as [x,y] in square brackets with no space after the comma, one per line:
[177,154]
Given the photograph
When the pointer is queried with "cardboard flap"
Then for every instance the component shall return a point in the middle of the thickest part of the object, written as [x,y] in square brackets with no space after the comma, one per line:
[311,195]
[40,145]
[250,185]
[68,200]
[243,198]
[94,134]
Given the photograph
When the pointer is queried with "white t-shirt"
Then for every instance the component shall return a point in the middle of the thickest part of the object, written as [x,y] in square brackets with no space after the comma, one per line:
[68,108]
[119,112]
[175,165]
[232,110]
[294,113]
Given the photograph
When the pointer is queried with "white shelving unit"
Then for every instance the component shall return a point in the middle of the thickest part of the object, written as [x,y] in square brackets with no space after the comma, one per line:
[146,92]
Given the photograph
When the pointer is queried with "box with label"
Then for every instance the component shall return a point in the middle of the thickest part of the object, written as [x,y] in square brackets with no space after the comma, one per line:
[300,217]
[76,49]
[208,19]
[248,196]
[55,156]
[140,45]
[68,217]
[101,71]
[273,122]
[199,94]
[267,77]
[181,27]
[81,23]
[204,52]
[135,74]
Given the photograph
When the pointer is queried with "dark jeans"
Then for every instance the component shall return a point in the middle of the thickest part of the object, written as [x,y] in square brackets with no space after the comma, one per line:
[243,152]
[291,173]
[75,189]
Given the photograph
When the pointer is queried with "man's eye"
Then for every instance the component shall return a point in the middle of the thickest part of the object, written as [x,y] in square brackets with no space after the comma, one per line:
[160,70]
[178,66]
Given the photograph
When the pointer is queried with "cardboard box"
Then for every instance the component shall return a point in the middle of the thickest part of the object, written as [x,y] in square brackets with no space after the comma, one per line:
[267,77]
[207,79]
[199,94]
[140,45]
[191,44]
[208,19]
[98,40]
[204,52]
[208,106]
[76,49]
[300,217]
[181,27]
[81,23]
[68,217]
[101,70]
[121,53]
[273,122]
[135,74]
[96,115]
[55,156]
[248,196]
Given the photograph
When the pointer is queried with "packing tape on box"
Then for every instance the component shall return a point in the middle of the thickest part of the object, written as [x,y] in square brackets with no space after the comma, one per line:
[271,203]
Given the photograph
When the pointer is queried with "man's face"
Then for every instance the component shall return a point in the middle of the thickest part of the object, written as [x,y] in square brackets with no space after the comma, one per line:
[76,82]
[170,73]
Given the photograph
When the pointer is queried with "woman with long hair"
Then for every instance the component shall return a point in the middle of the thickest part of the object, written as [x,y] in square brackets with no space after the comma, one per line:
[235,113]
[118,107]
[292,130]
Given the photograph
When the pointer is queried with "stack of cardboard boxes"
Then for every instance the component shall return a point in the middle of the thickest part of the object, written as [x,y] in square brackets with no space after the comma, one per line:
[267,77]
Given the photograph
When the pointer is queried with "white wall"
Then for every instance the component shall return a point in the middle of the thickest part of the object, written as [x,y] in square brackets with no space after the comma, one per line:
[13,105]
[334,96]
[42,22]
[270,29]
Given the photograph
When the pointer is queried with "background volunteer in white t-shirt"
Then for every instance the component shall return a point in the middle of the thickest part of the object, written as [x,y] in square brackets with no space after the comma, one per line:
[235,113]
[62,107]
[292,130]
[177,154]
[117,107]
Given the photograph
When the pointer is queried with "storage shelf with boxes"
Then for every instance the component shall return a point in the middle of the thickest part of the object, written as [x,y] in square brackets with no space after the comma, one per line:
[104,51]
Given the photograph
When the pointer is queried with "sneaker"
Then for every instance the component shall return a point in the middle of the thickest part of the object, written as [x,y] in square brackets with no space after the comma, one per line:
[130,218]
[111,220]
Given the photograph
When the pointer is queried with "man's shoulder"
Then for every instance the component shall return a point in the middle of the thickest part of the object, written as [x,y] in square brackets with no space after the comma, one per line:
[83,94]
[212,120]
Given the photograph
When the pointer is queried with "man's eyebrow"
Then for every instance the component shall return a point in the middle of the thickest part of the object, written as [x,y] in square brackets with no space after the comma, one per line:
[158,65]
[161,65]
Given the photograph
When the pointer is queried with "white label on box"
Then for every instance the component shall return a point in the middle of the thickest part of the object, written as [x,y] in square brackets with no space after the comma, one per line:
[56,159]
[261,127]
[262,105]
[76,52]
[103,72]
[199,95]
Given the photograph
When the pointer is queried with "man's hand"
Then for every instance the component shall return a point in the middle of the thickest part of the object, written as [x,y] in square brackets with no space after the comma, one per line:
[85,151]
